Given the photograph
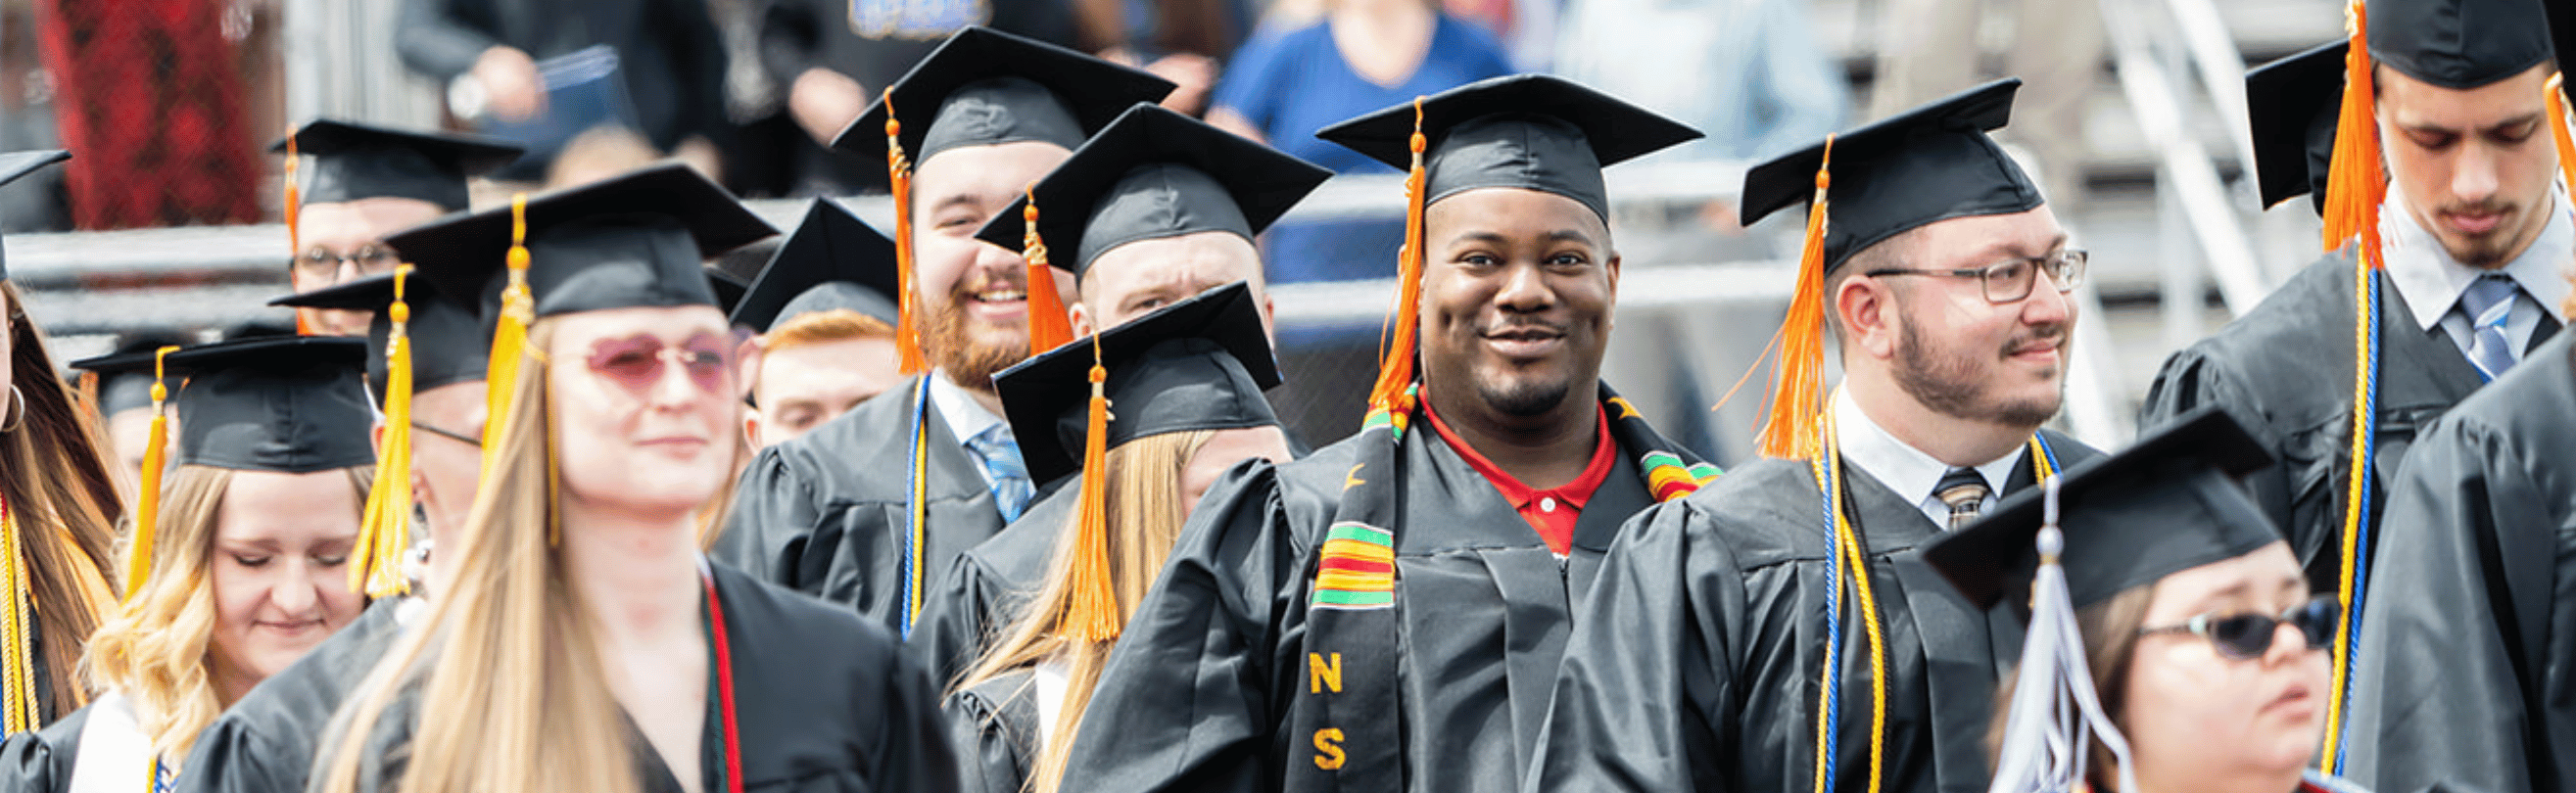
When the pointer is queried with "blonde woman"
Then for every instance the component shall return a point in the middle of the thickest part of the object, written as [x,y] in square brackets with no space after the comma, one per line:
[577,640]
[2200,639]
[1186,383]
[243,571]
[58,512]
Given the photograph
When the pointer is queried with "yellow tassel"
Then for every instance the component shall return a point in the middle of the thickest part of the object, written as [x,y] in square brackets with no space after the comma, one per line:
[509,333]
[1392,394]
[2355,183]
[18,694]
[386,529]
[1798,386]
[2556,97]
[294,241]
[147,501]
[907,339]
[1049,328]
[1092,613]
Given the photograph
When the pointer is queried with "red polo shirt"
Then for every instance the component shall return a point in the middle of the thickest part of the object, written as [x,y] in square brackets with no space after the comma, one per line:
[1552,513]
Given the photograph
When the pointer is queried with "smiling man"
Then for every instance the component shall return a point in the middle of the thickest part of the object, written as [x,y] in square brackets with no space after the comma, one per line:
[1384,614]
[2473,239]
[1714,619]
[865,509]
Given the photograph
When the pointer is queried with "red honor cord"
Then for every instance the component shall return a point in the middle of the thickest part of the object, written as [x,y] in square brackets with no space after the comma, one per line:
[724,687]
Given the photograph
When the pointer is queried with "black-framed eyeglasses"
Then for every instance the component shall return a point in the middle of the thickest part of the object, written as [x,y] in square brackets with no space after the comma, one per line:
[2009,281]
[370,259]
[2248,636]
[448,434]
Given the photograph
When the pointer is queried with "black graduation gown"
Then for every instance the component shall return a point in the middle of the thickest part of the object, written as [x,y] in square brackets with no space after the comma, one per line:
[42,761]
[1197,694]
[2284,370]
[1697,665]
[988,586]
[265,742]
[827,514]
[825,702]
[994,726]
[2466,679]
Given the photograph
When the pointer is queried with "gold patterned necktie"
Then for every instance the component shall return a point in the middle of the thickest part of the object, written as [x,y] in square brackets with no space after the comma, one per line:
[1965,493]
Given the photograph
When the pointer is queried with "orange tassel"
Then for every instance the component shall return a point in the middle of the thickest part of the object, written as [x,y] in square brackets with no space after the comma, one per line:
[1092,613]
[509,333]
[1049,328]
[2355,184]
[385,526]
[294,241]
[1396,348]
[907,340]
[2556,98]
[1798,386]
[147,502]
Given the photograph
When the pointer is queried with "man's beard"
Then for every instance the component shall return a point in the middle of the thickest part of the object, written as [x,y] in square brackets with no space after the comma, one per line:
[1954,385]
[1524,398]
[2487,250]
[952,346]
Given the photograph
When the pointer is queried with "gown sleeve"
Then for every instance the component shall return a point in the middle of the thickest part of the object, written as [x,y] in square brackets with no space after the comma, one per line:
[2443,693]
[1640,693]
[993,748]
[1187,699]
[915,754]
[229,758]
[773,514]
[950,633]
[41,761]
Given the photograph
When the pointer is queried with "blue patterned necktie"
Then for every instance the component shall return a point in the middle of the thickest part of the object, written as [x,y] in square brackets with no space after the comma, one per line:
[2489,306]
[1000,455]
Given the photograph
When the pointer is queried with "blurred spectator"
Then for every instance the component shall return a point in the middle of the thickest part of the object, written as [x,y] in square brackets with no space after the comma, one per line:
[170,149]
[1746,72]
[835,56]
[1364,55]
[1527,28]
[487,52]
[1929,49]
[598,155]
[1178,40]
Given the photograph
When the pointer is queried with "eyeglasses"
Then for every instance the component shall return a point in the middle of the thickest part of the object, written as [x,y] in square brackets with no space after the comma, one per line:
[369,259]
[2009,281]
[2248,636]
[636,361]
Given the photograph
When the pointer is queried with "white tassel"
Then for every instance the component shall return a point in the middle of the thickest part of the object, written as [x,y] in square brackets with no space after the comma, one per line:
[2055,712]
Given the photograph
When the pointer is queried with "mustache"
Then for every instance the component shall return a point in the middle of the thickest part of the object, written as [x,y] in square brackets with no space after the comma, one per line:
[1521,326]
[988,280]
[2052,335]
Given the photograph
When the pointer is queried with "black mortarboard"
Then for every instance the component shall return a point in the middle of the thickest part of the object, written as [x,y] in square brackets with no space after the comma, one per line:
[2562,41]
[1533,131]
[20,163]
[983,86]
[832,260]
[354,161]
[2458,44]
[1928,164]
[451,340]
[2166,504]
[637,240]
[1199,364]
[2290,106]
[1154,173]
[121,391]
[290,404]
[727,288]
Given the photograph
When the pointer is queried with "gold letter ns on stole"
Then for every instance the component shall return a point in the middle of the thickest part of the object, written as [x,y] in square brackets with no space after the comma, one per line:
[1328,749]
[1321,673]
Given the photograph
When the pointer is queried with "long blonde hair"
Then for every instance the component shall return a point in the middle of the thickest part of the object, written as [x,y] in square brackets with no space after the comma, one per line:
[55,478]
[506,652]
[154,648]
[1145,514]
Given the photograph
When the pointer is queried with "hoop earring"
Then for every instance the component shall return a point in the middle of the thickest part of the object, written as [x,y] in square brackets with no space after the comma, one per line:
[17,410]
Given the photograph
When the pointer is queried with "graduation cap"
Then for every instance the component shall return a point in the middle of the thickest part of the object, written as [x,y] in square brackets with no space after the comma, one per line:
[637,240]
[832,260]
[983,86]
[2290,109]
[290,404]
[353,161]
[1155,173]
[451,338]
[121,391]
[1198,364]
[1919,167]
[2168,503]
[727,288]
[1533,131]
[20,163]
[2459,44]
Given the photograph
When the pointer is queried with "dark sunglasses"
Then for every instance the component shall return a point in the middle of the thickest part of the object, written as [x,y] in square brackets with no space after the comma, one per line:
[2248,636]
[636,361]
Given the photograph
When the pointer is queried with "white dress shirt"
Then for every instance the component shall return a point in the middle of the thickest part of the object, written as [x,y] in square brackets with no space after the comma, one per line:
[1911,473]
[2432,281]
[966,417]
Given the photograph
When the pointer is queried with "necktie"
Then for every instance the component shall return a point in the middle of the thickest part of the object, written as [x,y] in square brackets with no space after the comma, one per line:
[1000,455]
[2489,305]
[1965,493]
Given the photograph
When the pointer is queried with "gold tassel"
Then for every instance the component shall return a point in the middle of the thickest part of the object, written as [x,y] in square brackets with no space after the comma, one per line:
[509,333]
[1049,328]
[294,240]
[386,528]
[907,339]
[1392,393]
[18,694]
[1798,388]
[1092,613]
[147,501]
[2355,183]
